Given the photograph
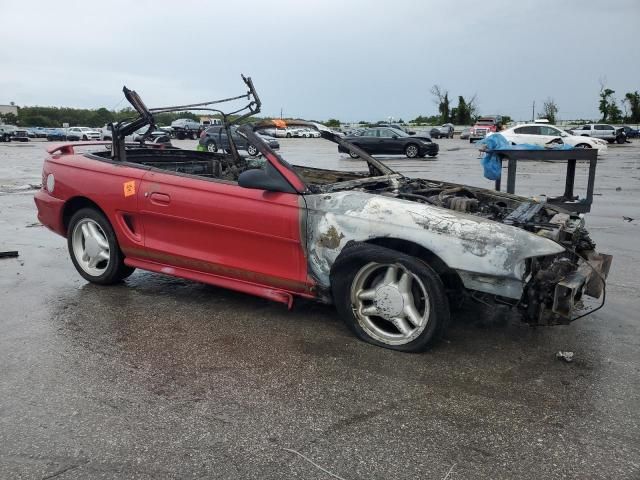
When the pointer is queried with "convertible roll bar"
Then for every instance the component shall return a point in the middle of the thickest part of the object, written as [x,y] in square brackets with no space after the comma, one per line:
[146,117]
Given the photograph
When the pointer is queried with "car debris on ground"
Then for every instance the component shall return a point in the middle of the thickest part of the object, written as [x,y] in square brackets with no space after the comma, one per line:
[565,356]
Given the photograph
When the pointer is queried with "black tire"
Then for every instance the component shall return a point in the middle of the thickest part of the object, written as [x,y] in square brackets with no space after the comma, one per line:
[116,270]
[582,145]
[412,150]
[620,140]
[252,150]
[84,138]
[194,135]
[353,154]
[288,135]
[358,256]
[211,146]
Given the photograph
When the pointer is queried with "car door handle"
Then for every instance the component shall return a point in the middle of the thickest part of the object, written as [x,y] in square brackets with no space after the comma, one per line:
[160,198]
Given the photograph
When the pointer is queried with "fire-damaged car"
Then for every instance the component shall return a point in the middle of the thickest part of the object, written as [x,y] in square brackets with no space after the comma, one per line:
[389,251]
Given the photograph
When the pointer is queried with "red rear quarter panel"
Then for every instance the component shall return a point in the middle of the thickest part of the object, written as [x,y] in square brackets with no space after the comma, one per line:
[111,186]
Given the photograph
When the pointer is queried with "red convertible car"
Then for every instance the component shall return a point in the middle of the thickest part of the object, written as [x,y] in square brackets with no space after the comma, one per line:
[389,251]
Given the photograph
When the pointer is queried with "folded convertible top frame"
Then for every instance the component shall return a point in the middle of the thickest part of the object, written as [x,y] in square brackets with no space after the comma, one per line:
[127,127]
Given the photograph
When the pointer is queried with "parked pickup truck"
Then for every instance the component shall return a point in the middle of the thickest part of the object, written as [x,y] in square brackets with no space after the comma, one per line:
[6,132]
[485,126]
[10,133]
[186,128]
[600,130]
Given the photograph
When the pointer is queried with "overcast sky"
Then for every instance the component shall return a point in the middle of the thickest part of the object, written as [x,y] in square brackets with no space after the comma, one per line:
[353,60]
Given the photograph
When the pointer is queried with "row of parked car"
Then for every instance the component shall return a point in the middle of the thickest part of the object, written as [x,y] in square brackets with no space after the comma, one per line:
[396,139]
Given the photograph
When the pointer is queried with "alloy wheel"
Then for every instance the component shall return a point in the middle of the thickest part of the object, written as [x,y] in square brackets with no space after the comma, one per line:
[90,247]
[390,303]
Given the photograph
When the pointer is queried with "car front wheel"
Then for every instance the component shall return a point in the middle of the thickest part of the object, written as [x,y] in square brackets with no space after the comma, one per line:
[252,150]
[212,147]
[411,150]
[94,248]
[388,298]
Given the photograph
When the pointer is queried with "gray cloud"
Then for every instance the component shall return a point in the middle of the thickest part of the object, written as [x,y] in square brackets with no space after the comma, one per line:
[318,59]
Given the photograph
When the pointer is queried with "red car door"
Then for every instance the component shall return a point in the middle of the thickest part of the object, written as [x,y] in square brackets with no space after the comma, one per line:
[219,228]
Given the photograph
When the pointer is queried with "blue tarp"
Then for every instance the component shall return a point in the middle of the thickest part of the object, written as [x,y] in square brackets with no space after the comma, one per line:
[495,144]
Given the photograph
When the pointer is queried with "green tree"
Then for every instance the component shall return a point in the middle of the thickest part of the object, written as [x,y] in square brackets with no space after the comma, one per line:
[608,106]
[633,100]
[441,98]
[461,115]
[332,123]
[10,119]
[550,110]
[432,120]
[615,114]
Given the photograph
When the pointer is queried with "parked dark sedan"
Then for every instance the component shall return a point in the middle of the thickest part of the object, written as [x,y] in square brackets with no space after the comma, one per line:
[215,138]
[631,132]
[389,141]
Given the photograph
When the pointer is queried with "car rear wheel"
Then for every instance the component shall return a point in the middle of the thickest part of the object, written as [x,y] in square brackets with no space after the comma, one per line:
[252,150]
[388,298]
[211,146]
[411,150]
[94,248]
[84,137]
[620,140]
[583,145]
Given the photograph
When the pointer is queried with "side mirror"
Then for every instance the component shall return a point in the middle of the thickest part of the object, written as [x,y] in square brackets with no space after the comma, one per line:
[268,179]
[394,136]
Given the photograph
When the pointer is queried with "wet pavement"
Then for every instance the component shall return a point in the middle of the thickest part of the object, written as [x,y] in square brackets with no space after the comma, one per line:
[165,378]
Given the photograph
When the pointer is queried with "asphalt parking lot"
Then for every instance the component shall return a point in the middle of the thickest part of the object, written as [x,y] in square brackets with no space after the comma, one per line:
[164,378]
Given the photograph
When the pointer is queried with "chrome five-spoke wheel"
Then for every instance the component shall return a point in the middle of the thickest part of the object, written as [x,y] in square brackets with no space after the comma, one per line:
[90,247]
[390,303]
[94,248]
[388,297]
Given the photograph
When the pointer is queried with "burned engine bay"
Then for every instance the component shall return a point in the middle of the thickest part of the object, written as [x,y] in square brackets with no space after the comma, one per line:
[554,284]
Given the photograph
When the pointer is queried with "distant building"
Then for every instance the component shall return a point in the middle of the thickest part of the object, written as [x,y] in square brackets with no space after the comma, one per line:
[4,109]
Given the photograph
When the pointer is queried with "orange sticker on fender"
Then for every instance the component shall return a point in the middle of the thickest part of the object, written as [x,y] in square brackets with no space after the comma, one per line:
[129,188]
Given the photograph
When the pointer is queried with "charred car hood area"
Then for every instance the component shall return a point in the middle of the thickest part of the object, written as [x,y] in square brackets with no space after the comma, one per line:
[501,246]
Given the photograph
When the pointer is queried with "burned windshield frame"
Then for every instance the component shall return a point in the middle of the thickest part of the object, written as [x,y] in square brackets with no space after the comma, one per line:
[146,117]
